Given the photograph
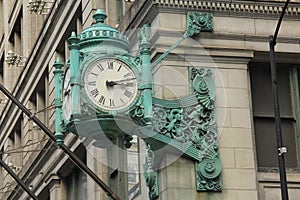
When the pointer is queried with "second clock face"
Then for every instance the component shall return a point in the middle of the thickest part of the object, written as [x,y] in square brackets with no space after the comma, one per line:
[110,84]
[67,101]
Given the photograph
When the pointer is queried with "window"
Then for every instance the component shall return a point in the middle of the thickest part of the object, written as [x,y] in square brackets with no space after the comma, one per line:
[41,101]
[76,185]
[17,152]
[263,113]
[74,179]
[2,172]
[2,69]
[2,96]
[1,19]
[16,36]
[38,106]
[134,182]
[14,151]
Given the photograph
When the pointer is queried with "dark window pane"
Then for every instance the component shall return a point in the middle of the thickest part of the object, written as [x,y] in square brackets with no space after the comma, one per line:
[261,86]
[284,90]
[266,145]
[298,73]
[262,99]
[261,89]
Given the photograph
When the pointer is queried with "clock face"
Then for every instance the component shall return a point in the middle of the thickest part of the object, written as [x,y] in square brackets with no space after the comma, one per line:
[110,84]
[67,101]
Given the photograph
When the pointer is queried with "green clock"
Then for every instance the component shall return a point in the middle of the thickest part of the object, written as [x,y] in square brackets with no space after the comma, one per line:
[110,84]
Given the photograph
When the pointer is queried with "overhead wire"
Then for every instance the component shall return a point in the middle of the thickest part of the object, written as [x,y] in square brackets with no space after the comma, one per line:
[50,107]
[14,184]
[22,147]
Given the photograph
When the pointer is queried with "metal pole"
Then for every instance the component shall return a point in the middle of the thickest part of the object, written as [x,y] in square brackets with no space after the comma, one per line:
[72,156]
[280,148]
[279,21]
[19,181]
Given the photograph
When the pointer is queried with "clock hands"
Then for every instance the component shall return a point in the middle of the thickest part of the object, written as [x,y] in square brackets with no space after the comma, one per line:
[67,92]
[110,83]
[123,80]
[67,89]
[120,82]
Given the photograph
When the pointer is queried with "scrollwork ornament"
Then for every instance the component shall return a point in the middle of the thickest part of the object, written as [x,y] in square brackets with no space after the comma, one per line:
[137,60]
[138,111]
[197,22]
[208,173]
[191,122]
[150,174]
[159,118]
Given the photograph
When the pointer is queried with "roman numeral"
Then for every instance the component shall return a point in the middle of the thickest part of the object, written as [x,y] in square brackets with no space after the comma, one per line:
[100,67]
[95,92]
[129,84]
[128,93]
[127,75]
[119,68]
[112,103]
[110,65]
[102,99]
[94,74]
[92,83]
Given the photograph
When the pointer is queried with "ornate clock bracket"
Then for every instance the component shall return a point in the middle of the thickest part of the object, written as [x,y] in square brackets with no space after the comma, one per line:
[187,124]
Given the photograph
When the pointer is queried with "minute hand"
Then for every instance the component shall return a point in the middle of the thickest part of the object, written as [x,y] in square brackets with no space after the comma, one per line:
[124,80]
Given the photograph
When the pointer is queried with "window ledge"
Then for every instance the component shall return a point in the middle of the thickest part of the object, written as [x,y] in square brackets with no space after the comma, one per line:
[274,177]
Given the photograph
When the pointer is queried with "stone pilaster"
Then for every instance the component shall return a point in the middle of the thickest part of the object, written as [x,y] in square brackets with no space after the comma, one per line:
[56,188]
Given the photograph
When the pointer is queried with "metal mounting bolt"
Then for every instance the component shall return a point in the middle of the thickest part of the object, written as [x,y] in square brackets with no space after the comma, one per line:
[282,150]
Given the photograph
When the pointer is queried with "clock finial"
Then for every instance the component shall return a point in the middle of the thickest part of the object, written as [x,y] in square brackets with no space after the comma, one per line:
[99,16]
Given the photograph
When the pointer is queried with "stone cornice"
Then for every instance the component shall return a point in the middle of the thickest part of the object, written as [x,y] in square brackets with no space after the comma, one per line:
[247,7]
[148,9]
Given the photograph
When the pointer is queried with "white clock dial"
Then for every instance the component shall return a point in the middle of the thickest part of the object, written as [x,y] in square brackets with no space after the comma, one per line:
[110,84]
[67,101]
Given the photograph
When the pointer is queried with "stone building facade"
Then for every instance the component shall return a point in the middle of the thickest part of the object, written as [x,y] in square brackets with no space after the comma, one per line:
[237,52]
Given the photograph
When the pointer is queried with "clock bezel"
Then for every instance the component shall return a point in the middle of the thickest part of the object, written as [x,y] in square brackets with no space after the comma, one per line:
[88,62]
